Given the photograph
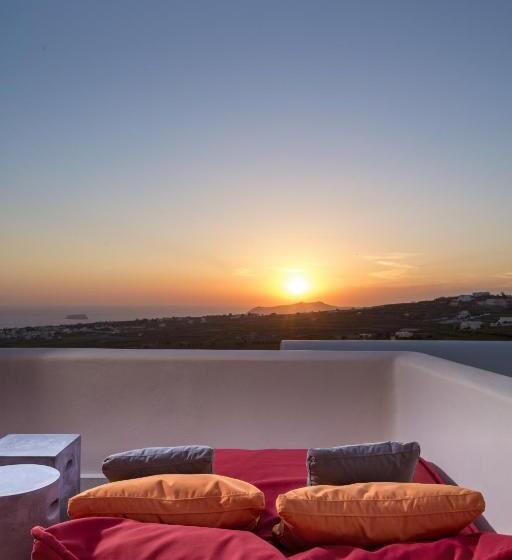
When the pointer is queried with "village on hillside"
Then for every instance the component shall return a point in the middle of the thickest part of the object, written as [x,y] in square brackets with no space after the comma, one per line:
[476,316]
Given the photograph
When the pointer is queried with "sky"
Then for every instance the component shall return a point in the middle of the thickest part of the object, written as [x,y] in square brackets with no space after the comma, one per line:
[179,152]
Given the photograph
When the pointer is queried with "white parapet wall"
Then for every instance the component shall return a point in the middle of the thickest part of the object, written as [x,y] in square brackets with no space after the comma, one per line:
[492,355]
[124,399]
[463,418]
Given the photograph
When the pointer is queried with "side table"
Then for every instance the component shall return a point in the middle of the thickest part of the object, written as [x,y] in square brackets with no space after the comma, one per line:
[29,495]
[60,451]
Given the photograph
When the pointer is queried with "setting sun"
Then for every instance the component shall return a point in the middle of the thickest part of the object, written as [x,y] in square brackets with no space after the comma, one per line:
[297,285]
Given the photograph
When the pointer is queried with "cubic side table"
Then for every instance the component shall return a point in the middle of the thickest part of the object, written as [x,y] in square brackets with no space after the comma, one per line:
[60,451]
[29,495]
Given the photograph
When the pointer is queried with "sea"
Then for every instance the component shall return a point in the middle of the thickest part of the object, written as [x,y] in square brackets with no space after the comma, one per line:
[11,317]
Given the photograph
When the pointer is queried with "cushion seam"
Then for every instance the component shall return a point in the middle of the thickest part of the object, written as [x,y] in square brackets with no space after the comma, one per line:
[77,498]
[426,513]
[175,514]
[373,500]
[347,456]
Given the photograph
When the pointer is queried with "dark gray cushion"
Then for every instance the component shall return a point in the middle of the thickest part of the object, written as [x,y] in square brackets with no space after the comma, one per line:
[190,459]
[388,461]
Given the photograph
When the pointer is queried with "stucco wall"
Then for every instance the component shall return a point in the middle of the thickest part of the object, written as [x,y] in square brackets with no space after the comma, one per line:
[493,355]
[462,416]
[121,399]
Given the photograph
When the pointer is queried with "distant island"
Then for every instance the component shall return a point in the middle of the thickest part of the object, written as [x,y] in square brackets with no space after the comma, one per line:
[77,317]
[301,307]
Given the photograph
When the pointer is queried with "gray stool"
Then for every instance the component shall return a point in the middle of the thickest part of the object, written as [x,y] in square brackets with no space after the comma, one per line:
[60,451]
[29,495]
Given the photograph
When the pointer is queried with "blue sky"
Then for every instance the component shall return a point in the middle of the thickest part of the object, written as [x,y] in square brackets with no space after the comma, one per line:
[150,151]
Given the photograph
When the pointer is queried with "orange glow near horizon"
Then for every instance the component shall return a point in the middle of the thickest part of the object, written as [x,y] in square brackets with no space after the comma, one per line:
[110,275]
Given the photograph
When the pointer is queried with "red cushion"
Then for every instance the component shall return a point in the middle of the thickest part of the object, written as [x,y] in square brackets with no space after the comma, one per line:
[477,546]
[274,471]
[109,538]
[277,471]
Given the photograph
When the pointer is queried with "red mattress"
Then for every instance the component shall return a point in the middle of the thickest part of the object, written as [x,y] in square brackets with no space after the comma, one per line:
[273,471]
[276,471]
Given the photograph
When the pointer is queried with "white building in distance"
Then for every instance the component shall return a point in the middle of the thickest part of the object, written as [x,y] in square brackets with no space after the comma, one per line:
[503,322]
[470,325]
[404,334]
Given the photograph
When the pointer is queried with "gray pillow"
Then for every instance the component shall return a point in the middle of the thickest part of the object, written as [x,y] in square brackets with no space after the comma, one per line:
[190,459]
[388,461]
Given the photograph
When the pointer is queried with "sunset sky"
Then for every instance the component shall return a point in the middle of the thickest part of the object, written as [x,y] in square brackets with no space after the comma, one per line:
[213,152]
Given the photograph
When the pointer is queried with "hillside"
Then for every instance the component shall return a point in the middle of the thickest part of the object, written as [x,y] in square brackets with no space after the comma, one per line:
[480,317]
[301,307]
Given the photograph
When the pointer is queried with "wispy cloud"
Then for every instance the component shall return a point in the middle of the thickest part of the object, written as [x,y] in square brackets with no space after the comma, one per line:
[397,256]
[394,264]
[506,275]
[391,273]
[243,272]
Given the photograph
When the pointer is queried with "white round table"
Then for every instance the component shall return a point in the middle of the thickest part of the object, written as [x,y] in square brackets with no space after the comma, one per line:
[29,496]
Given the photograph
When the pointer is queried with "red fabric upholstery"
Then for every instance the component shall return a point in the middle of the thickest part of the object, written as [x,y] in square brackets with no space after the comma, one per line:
[110,538]
[276,471]
[476,546]
[273,471]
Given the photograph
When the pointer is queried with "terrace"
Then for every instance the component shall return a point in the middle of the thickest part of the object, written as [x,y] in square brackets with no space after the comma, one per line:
[124,399]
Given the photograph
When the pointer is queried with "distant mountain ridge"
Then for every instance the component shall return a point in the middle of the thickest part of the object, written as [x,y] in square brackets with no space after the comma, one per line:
[301,307]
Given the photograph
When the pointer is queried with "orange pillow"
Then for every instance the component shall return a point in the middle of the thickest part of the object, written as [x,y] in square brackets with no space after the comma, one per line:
[373,513]
[205,500]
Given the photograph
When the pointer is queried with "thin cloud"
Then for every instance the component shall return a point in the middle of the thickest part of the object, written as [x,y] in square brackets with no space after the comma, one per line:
[243,272]
[506,275]
[391,273]
[397,256]
[394,264]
